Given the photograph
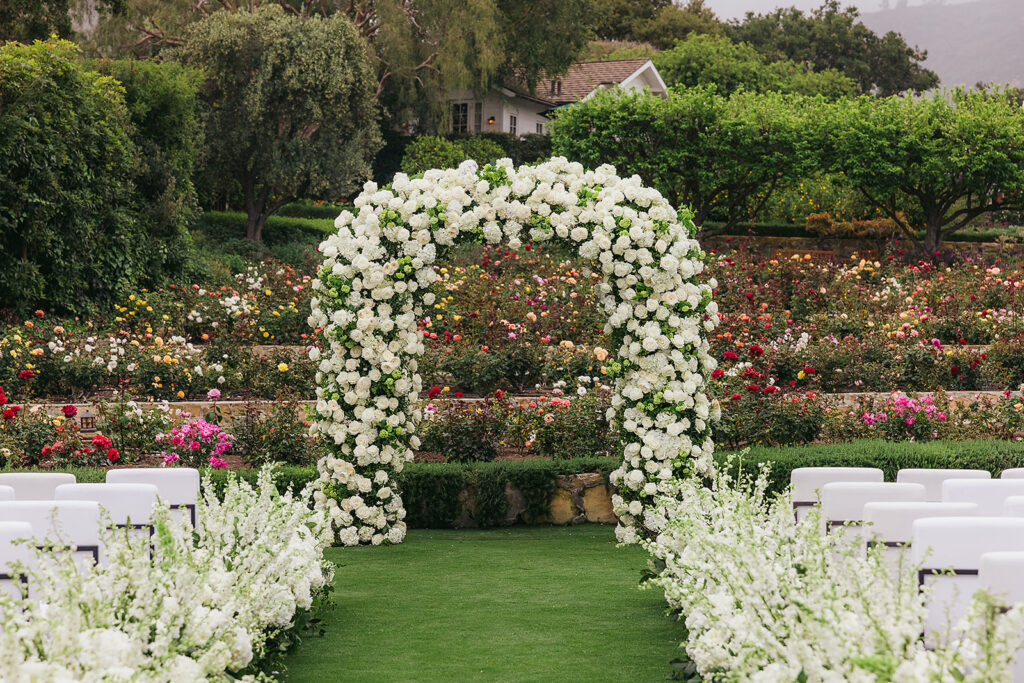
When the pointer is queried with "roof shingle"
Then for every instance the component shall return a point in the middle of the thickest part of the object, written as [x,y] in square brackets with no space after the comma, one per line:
[583,78]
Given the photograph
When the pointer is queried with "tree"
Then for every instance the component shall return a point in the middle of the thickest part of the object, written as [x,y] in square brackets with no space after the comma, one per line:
[28,20]
[674,23]
[935,163]
[420,49]
[68,237]
[833,38]
[163,104]
[722,156]
[291,111]
[716,60]
[623,19]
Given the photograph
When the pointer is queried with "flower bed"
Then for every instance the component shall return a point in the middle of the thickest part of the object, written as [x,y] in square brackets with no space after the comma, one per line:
[765,598]
[184,606]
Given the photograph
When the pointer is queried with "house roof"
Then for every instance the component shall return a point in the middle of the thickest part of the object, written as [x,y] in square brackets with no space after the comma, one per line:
[585,77]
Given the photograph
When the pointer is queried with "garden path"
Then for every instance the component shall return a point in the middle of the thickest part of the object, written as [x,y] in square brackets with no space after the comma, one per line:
[518,604]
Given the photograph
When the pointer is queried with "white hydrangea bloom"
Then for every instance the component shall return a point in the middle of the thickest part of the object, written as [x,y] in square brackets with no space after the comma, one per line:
[372,288]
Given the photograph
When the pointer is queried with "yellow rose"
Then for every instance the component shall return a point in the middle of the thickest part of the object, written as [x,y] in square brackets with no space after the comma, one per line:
[282,367]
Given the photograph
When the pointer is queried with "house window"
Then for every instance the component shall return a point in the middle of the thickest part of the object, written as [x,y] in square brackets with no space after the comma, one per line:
[512,125]
[478,116]
[540,128]
[460,117]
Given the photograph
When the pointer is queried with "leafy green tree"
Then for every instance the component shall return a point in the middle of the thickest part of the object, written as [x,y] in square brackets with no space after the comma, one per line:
[291,110]
[421,49]
[935,163]
[162,100]
[623,19]
[28,20]
[833,38]
[716,60]
[68,236]
[723,156]
[673,23]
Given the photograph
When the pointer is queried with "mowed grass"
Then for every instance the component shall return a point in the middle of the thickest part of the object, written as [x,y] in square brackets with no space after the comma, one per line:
[519,604]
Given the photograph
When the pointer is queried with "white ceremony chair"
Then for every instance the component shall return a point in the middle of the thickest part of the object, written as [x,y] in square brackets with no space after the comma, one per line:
[11,580]
[130,506]
[932,479]
[1012,473]
[72,523]
[35,485]
[807,482]
[842,502]
[178,486]
[949,550]
[1013,506]
[1000,574]
[890,525]
[989,494]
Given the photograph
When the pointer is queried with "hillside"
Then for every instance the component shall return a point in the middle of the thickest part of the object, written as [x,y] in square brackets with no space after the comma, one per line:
[966,43]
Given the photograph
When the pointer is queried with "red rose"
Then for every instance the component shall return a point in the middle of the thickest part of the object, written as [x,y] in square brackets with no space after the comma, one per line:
[69,411]
[729,355]
[809,369]
[752,388]
[46,451]
[770,389]
[735,397]
[954,371]
[11,412]
[112,455]
[100,441]
[498,393]
[756,351]
[434,391]
[458,394]
[3,398]
[718,372]
[26,374]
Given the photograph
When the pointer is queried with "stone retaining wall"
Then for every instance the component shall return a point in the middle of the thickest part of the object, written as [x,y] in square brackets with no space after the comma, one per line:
[578,498]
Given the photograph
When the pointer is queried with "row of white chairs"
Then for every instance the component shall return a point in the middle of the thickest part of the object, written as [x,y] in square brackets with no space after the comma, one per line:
[53,509]
[964,529]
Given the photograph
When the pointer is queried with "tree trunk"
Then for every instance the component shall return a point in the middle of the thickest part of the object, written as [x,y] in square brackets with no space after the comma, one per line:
[254,227]
[932,240]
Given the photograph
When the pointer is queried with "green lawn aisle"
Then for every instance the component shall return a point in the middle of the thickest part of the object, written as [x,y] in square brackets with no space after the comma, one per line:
[522,604]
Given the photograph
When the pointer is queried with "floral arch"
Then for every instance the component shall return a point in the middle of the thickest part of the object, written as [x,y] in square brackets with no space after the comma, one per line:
[374,281]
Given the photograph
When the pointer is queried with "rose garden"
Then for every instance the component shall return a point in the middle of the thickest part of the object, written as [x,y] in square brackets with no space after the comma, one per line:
[724,383]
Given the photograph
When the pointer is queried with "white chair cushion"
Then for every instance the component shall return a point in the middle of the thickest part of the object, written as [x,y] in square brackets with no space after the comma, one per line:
[123,502]
[175,486]
[1012,473]
[932,479]
[844,501]
[989,494]
[807,482]
[35,485]
[75,523]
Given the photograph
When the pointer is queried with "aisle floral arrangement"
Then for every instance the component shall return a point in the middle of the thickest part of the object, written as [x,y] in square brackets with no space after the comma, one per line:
[371,291]
[765,598]
[184,606]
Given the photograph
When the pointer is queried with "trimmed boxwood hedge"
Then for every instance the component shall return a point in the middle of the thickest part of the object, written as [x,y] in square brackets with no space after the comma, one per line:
[435,493]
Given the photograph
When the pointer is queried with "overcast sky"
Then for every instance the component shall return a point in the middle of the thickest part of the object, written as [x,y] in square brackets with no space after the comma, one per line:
[728,9]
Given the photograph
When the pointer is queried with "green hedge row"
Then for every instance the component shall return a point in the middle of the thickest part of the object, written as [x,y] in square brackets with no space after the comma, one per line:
[889,456]
[768,229]
[435,493]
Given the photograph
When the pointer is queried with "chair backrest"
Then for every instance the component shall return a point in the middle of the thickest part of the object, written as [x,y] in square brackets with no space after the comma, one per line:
[35,485]
[11,580]
[989,494]
[176,486]
[125,503]
[954,546]
[75,523]
[808,481]
[844,501]
[1000,574]
[1013,506]
[892,523]
[932,479]
[6,492]
[1012,473]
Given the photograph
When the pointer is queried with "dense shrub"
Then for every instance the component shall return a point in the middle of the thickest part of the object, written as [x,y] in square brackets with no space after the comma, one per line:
[163,106]
[431,151]
[68,236]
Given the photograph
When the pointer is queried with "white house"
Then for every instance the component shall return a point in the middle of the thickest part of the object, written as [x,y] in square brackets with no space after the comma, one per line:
[515,111]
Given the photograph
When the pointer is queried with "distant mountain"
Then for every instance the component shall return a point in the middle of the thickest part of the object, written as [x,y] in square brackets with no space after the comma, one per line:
[966,43]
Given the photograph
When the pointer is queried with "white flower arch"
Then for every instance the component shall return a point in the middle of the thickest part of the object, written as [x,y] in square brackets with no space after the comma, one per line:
[373,284]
